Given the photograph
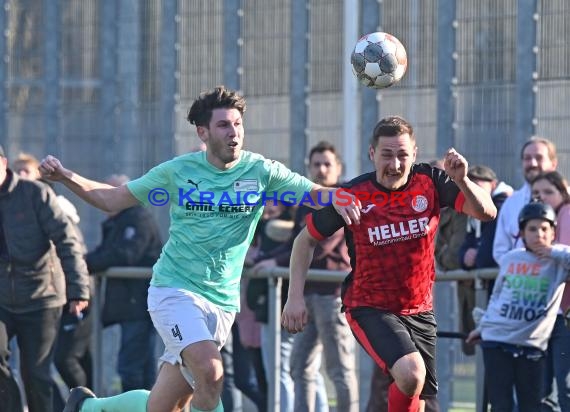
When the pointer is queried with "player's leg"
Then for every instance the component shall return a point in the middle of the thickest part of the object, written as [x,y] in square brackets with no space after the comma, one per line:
[205,362]
[423,330]
[388,341]
[193,331]
[171,392]
[409,377]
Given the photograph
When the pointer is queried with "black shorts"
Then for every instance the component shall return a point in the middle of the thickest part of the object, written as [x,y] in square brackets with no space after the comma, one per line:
[387,337]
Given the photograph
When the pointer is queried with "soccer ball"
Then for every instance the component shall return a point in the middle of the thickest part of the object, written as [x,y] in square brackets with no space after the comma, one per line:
[379,60]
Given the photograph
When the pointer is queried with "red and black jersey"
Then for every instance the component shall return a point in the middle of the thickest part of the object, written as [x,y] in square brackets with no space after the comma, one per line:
[392,249]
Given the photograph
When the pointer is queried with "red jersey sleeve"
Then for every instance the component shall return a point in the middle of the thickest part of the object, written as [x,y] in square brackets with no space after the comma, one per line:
[324,222]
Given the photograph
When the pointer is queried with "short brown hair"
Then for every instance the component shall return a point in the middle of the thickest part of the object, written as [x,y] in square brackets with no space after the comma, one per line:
[200,113]
[324,146]
[550,146]
[392,126]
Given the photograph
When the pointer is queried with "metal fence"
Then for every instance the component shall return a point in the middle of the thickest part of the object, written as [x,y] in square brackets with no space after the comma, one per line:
[105,85]
[445,308]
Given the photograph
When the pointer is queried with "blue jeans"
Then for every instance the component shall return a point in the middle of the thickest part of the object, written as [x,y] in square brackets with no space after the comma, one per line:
[328,333]
[287,388]
[137,361]
[558,365]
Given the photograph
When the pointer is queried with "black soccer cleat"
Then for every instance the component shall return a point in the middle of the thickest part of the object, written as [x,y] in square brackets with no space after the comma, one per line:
[76,398]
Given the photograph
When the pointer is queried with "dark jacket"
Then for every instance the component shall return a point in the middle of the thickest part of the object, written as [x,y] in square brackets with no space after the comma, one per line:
[481,235]
[35,233]
[450,235]
[130,238]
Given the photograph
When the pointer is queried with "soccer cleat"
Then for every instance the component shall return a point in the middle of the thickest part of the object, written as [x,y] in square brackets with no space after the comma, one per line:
[76,398]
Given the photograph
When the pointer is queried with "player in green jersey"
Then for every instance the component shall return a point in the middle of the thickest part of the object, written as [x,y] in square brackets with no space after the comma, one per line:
[215,199]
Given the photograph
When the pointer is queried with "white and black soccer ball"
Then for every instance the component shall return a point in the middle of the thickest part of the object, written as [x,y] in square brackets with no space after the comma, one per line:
[379,60]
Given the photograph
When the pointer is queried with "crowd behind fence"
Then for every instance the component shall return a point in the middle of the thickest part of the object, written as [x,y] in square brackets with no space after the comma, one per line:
[275,277]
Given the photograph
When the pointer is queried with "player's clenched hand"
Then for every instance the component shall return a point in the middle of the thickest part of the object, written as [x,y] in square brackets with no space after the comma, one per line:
[455,165]
[294,316]
[347,206]
[52,169]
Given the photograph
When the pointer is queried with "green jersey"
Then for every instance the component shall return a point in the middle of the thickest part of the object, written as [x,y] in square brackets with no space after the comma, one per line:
[213,215]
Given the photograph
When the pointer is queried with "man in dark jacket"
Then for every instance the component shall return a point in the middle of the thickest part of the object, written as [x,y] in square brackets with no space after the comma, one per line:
[477,249]
[130,238]
[476,252]
[34,284]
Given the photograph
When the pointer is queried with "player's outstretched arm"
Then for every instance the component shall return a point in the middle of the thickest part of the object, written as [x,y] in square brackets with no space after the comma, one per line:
[346,205]
[478,202]
[100,195]
[294,316]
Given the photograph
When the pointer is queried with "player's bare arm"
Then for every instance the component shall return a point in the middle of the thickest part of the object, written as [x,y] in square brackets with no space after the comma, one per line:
[478,202]
[101,195]
[348,210]
[294,316]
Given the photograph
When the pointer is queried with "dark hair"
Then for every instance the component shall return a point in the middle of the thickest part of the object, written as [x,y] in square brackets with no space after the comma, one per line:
[200,113]
[550,146]
[392,126]
[558,181]
[324,146]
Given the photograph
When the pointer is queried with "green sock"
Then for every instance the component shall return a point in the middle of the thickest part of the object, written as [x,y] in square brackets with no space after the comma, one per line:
[219,408]
[132,401]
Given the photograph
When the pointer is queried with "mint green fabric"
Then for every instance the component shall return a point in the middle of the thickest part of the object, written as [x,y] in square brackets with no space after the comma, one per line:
[132,401]
[219,408]
[213,215]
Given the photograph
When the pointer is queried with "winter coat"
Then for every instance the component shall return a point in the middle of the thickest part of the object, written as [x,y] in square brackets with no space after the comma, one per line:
[41,259]
[130,238]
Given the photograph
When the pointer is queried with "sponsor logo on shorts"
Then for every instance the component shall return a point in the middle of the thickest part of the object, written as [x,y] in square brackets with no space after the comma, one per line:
[176,332]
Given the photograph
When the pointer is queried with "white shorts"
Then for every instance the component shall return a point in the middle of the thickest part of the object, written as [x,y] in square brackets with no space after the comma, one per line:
[182,318]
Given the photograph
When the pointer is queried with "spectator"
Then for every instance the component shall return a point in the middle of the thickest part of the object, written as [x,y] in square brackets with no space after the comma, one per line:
[72,355]
[522,312]
[387,297]
[34,284]
[450,234]
[250,376]
[538,155]
[274,232]
[552,189]
[476,252]
[130,238]
[26,166]
[327,332]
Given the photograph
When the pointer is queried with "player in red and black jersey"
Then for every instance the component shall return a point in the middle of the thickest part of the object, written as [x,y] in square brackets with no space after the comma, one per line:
[387,297]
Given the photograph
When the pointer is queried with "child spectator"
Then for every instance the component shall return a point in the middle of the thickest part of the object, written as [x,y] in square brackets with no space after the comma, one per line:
[522,312]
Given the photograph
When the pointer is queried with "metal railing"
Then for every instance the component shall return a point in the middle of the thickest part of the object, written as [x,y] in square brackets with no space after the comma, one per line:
[275,277]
